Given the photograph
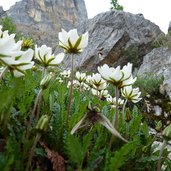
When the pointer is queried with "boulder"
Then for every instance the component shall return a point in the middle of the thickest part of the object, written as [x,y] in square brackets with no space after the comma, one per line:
[43,19]
[1,11]
[119,37]
[158,62]
[169,29]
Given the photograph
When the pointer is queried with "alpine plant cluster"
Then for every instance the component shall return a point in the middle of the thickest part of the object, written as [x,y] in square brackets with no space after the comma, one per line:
[17,61]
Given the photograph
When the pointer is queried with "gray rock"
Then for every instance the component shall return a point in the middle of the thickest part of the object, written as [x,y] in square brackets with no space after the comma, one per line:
[1,11]
[158,62]
[43,19]
[169,29]
[119,37]
[157,110]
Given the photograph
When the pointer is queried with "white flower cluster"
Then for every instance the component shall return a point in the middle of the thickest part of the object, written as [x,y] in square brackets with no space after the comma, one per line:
[11,55]
[122,79]
[17,61]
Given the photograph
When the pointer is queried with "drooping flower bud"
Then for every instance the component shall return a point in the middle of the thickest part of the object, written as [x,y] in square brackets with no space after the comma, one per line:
[42,124]
[45,81]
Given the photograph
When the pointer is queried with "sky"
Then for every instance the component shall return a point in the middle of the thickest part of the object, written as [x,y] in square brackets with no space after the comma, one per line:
[157,11]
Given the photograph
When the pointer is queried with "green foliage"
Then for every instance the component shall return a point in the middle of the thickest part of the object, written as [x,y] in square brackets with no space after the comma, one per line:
[115,5]
[7,24]
[132,55]
[88,149]
[76,150]
[162,40]
[149,84]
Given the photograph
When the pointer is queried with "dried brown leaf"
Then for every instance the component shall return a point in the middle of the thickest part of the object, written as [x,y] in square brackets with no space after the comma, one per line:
[56,159]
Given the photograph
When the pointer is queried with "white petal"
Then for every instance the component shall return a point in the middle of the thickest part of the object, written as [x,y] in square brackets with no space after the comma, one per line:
[84,41]
[105,71]
[27,56]
[27,66]
[127,70]
[17,73]
[63,38]
[73,36]
[117,75]
[58,59]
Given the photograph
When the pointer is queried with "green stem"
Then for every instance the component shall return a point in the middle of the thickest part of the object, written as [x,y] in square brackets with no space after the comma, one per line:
[127,130]
[33,114]
[117,106]
[3,73]
[123,111]
[32,152]
[37,102]
[160,156]
[44,72]
[71,89]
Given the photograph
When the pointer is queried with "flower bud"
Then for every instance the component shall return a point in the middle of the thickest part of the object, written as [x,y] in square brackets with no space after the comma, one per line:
[45,81]
[34,68]
[167,132]
[42,124]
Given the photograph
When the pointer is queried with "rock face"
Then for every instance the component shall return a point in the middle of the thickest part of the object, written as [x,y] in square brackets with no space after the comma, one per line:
[1,11]
[119,37]
[169,29]
[43,19]
[158,62]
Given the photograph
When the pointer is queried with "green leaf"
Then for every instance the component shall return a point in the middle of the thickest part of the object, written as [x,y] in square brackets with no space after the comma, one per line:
[75,150]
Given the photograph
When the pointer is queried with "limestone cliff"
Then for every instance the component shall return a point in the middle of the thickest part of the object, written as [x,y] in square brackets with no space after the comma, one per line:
[43,19]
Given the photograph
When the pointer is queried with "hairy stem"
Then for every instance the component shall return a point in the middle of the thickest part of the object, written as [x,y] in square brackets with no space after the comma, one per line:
[117,106]
[127,130]
[123,111]
[71,89]
[37,102]
[28,166]
[44,72]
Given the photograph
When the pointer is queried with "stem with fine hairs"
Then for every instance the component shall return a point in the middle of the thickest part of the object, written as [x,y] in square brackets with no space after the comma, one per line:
[116,111]
[70,91]
[28,166]
[123,111]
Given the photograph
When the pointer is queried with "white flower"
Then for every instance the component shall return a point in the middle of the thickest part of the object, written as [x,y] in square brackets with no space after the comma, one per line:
[88,79]
[8,46]
[97,82]
[72,42]
[100,93]
[12,57]
[19,64]
[112,101]
[113,75]
[45,56]
[116,76]
[131,94]
[60,80]
[66,73]
[80,76]
[79,85]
